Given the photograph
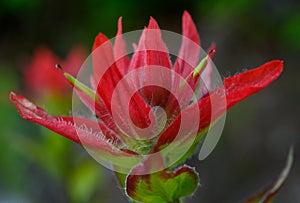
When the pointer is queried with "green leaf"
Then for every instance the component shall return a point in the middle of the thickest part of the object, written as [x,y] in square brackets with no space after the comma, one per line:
[268,194]
[163,186]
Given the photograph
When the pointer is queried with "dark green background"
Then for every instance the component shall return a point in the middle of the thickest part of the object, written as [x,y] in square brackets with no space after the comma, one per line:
[258,131]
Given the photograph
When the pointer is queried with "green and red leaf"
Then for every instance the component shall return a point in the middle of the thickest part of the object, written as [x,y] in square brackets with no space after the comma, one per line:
[164,186]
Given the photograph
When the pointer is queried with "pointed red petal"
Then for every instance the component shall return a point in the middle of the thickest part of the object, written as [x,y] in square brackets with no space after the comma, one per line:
[240,86]
[106,72]
[104,65]
[189,29]
[186,62]
[237,88]
[151,51]
[120,50]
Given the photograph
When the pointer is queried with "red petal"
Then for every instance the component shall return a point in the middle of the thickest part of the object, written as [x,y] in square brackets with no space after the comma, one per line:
[106,72]
[120,50]
[99,109]
[66,126]
[186,62]
[240,86]
[151,51]
[104,65]
[237,88]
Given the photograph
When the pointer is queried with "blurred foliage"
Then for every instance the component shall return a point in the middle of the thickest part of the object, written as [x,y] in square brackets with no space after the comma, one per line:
[13,167]
[28,146]
[39,166]
[291,30]
[222,11]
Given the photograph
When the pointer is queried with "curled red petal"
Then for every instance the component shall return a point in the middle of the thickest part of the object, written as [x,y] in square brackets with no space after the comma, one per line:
[92,135]
[68,127]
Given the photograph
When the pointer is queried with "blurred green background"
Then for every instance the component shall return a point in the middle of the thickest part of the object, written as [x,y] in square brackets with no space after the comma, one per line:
[38,167]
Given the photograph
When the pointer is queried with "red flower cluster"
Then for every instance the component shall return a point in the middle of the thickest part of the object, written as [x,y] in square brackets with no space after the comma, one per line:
[41,78]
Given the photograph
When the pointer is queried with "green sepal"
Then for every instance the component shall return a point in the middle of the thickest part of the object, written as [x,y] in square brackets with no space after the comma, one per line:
[200,66]
[82,87]
[195,73]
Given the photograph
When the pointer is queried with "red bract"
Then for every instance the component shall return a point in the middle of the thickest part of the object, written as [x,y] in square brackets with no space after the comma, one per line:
[40,76]
[117,141]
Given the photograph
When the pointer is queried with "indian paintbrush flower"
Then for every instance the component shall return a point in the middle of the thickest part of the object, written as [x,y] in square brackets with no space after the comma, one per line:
[140,102]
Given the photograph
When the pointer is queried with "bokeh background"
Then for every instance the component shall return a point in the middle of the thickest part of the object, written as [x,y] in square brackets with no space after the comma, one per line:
[38,166]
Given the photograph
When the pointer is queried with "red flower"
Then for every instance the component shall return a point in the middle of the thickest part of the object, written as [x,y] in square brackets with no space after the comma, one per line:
[41,78]
[104,135]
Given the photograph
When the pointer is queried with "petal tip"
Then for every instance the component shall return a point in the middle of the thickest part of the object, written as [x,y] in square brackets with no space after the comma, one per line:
[120,29]
[189,29]
[281,63]
[276,66]
[99,40]
[152,23]
[186,14]
[12,95]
